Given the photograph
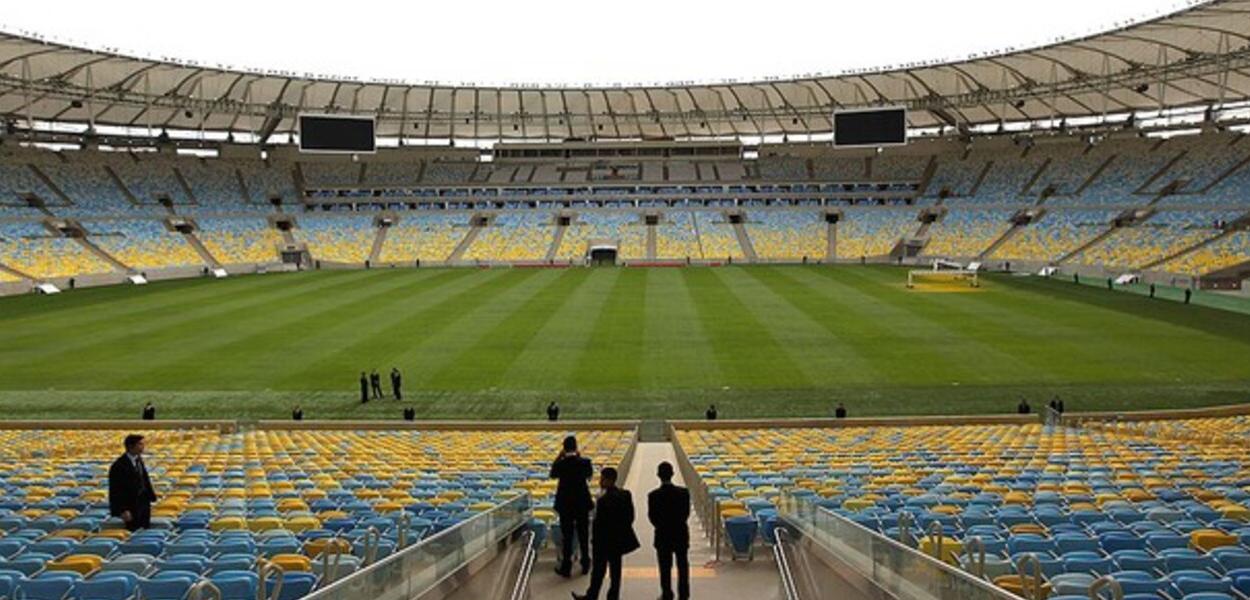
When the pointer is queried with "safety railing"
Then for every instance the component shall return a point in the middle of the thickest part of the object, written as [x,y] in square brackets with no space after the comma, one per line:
[789,590]
[704,505]
[420,567]
[898,570]
[529,556]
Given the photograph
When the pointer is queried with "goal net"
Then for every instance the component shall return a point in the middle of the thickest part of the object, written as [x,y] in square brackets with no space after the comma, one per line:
[942,279]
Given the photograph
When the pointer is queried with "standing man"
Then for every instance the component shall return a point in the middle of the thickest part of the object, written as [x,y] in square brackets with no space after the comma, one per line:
[553,412]
[297,413]
[711,413]
[614,536]
[410,413]
[397,381]
[840,411]
[1023,407]
[573,504]
[375,382]
[364,388]
[668,509]
[149,412]
[130,490]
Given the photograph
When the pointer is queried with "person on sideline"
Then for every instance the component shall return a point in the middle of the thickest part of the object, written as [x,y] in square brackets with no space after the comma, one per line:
[410,414]
[397,382]
[1023,408]
[553,412]
[573,504]
[613,536]
[297,413]
[130,489]
[375,384]
[149,412]
[711,413]
[668,509]
[840,411]
[364,388]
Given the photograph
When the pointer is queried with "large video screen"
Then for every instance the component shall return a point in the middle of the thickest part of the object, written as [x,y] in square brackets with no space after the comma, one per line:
[875,127]
[336,134]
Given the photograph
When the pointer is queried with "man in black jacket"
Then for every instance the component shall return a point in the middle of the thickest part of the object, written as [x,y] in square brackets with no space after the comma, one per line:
[614,536]
[397,382]
[130,490]
[553,412]
[668,509]
[364,388]
[149,412]
[375,382]
[573,504]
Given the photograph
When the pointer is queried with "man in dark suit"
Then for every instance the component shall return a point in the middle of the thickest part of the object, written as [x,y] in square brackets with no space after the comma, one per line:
[1023,408]
[410,413]
[573,504]
[364,388]
[375,382]
[668,509]
[149,412]
[553,412]
[614,536]
[840,411]
[711,413]
[397,381]
[130,490]
[297,413]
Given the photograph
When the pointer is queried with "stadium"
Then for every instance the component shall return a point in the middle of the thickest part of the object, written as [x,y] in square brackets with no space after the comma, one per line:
[973,328]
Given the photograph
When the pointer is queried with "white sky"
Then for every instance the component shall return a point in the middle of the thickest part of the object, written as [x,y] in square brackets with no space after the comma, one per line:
[567,41]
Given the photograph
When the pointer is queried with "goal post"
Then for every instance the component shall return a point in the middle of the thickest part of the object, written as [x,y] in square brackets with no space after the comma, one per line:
[943,278]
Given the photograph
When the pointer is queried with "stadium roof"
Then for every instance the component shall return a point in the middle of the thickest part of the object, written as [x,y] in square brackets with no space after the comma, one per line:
[1199,55]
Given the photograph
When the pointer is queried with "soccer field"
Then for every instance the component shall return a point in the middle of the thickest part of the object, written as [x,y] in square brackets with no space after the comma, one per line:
[610,343]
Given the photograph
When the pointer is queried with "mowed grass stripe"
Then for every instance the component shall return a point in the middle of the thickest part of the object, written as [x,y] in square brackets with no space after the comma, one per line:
[435,352]
[678,353]
[550,357]
[258,335]
[984,345]
[613,354]
[824,356]
[266,353]
[484,363]
[114,346]
[394,335]
[94,311]
[745,350]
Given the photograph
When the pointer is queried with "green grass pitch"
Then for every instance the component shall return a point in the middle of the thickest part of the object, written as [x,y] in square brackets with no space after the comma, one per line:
[759,341]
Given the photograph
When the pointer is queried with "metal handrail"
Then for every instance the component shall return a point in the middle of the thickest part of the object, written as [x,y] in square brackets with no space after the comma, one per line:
[201,587]
[1106,581]
[788,586]
[330,570]
[521,590]
[327,591]
[977,561]
[264,568]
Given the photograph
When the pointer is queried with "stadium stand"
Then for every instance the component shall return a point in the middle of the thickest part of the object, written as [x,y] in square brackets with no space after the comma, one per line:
[865,232]
[788,235]
[621,228]
[966,232]
[1156,505]
[143,244]
[514,237]
[1226,252]
[239,240]
[1057,234]
[783,168]
[1163,234]
[717,236]
[229,503]
[676,237]
[1006,179]
[92,190]
[150,179]
[341,239]
[318,174]
[424,237]
[1204,159]
[265,182]
[1133,162]
[16,182]
[390,174]
[30,249]
[215,185]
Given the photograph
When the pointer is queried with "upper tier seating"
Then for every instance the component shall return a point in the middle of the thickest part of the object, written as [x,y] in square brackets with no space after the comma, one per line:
[871,232]
[215,185]
[788,235]
[783,168]
[345,239]
[143,244]
[93,191]
[320,174]
[1005,182]
[1146,503]
[267,182]
[239,240]
[424,237]
[150,180]
[1206,158]
[392,174]
[1135,161]
[17,181]
[227,502]
[1058,233]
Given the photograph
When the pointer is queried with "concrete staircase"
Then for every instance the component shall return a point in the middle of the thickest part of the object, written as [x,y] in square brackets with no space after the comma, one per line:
[465,244]
[1098,239]
[200,249]
[105,256]
[1002,239]
[556,238]
[651,243]
[831,241]
[16,273]
[379,241]
[744,240]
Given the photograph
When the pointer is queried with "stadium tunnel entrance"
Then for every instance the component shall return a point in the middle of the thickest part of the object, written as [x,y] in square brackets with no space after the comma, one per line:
[603,256]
